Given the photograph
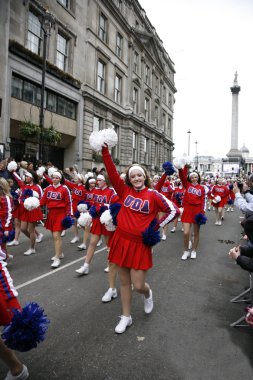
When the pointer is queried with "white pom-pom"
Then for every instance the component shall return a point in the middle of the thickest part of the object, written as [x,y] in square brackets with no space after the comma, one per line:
[90,175]
[12,166]
[40,171]
[217,199]
[36,194]
[31,203]
[84,220]
[106,219]
[51,171]
[82,207]
[188,159]
[179,162]
[105,136]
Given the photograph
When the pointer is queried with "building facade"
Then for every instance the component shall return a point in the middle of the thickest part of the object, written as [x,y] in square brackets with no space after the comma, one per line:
[106,67]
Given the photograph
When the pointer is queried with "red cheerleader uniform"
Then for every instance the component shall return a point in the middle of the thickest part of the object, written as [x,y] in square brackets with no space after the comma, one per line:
[222,191]
[100,198]
[78,192]
[8,295]
[164,187]
[23,214]
[138,209]
[6,206]
[178,196]
[194,198]
[59,204]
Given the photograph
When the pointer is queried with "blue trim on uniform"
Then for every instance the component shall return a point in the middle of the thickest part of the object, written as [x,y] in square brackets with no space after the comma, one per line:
[5,285]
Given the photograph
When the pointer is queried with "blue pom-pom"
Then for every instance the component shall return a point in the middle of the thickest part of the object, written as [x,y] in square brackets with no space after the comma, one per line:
[14,195]
[231,186]
[76,214]
[67,222]
[102,209]
[114,210]
[27,328]
[230,202]
[151,235]
[10,236]
[168,168]
[27,193]
[200,219]
[93,212]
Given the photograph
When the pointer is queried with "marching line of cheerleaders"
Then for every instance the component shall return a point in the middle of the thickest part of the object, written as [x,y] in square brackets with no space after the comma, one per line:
[127,210]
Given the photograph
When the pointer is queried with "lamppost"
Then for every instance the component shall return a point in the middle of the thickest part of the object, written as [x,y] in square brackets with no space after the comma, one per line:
[189,139]
[46,20]
[196,155]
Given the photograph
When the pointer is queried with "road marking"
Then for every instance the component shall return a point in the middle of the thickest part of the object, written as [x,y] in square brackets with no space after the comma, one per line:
[53,271]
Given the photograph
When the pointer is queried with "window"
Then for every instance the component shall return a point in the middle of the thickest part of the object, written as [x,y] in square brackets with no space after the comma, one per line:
[156,153]
[101,77]
[66,108]
[146,149]
[135,142]
[136,62]
[117,90]
[31,93]
[147,75]
[156,85]
[65,3]
[115,149]
[97,124]
[146,108]
[135,100]
[34,34]
[102,27]
[169,127]
[51,102]
[164,94]
[156,116]
[61,54]
[17,87]
[164,122]
[170,100]
[119,45]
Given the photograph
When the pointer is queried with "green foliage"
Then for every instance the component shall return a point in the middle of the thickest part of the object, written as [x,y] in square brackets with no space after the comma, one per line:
[51,135]
[29,129]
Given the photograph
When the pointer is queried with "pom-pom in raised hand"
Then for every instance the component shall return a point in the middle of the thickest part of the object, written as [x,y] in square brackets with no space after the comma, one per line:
[179,162]
[31,203]
[99,138]
[12,166]
[200,219]
[151,235]
[168,168]
[27,328]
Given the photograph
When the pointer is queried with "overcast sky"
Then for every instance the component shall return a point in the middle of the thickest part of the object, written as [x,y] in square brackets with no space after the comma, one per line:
[208,41]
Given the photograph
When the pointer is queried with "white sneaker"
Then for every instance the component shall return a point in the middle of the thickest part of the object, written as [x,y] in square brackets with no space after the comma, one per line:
[109,295]
[99,242]
[190,244]
[39,238]
[63,233]
[84,269]
[56,263]
[55,257]
[123,324]
[22,376]
[81,246]
[29,252]
[148,303]
[164,237]
[13,242]
[193,254]
[106,270]
[173,229]
[185,256]
[74,240]
[216,223]
[219,223]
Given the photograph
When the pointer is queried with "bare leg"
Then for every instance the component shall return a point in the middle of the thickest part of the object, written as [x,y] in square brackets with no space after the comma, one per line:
[10,359]
[31,229]
[24,229]
[57,243]
[91,249]
[138,278]
[187,229]
[17,224]
[195,244]
[125,290]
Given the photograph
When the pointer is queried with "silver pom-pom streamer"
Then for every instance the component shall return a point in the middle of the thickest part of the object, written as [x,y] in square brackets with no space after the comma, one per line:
[179,162]
[12,166]
[105,136]
[36,194]
[106,219]
[84,220]
[31,203]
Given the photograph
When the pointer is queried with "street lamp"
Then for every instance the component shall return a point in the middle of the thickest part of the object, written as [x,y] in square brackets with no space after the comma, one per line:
[46,21]
[189,138]
[196,155]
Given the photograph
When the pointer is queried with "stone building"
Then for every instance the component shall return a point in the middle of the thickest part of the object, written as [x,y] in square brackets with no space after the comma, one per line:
[106,67]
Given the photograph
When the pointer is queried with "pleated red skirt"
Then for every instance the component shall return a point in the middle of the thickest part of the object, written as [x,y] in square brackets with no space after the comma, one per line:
[98,228]
[30,216]
[54,219]
[189,213]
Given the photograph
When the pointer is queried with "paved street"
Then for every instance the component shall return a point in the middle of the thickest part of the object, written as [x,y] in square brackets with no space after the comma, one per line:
[187,337]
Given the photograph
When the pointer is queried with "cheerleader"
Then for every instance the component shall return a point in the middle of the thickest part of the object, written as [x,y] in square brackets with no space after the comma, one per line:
[166,188]
[101,196]
[177,198]
[57,198]
[194,205]
[15,193]
[90,185]
[29,219]
[219,199]
[78,194]
[140,205]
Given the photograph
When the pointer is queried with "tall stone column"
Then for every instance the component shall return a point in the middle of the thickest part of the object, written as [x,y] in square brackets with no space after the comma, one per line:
[235,89]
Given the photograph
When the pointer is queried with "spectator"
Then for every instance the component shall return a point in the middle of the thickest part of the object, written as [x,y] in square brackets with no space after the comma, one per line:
[3,170]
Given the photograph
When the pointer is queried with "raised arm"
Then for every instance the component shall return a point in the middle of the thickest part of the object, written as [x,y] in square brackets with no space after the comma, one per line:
[183,175]
[115,179]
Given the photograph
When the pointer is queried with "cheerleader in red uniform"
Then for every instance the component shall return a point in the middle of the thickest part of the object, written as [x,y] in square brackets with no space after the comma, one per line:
[29,219]
[140,205]
[177,198]
[101,196]
[219,195]
[166,188]
[78,192]
[231,197]
[57,198]
[90,185]
[15,192]
[193,204]
[6,225]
